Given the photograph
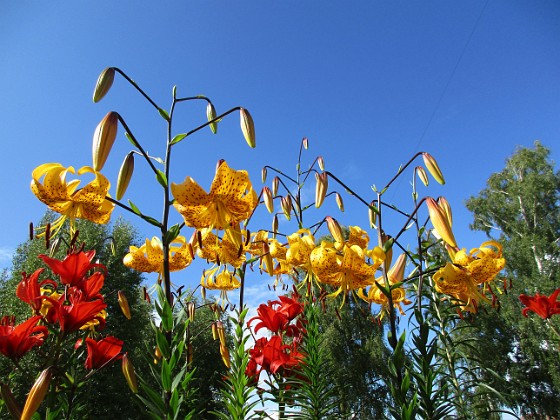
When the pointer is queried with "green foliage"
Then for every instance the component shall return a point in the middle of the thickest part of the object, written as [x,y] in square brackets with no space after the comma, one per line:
[520,207]
[357,355]
[236,391]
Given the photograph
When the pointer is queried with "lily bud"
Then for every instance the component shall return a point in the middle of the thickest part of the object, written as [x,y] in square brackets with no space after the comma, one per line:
[221,332]
[268,201]
[104,83]
[275,183]
[129,373]
[263,174]
[446,208]
[268,259]
[123,303]
[247,127]
[339,202]
[433,167]
[10,401]
[37,394]
[103,139]
[157,355]
[389,252]
[440,222]
[224,352]
[321,163]
[211,114]
[275,225]
[214,331]
[321,188]
[372,215]
[125,174]
[305,143]
[286,204]
[422,175]
[191,308]
[335,229]
[396,273]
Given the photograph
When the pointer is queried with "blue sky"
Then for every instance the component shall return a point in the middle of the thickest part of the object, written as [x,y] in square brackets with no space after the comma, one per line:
[368,82]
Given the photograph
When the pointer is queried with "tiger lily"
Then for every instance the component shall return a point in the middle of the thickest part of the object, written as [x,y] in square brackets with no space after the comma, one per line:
[65,198]
[231,199]
[461,278]
[149,257]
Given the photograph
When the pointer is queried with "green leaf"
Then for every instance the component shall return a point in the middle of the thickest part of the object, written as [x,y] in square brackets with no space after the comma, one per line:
[163,345]
[164,114]
[151,221]
[165,375]
[161,178]
[178,138]
[134,208]
[131,139]
[172,233]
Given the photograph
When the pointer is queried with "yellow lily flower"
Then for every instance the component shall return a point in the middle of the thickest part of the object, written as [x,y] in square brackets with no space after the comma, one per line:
[226,250]
[398,294]
[225,280]
[462,278]
[65,198]
[149,257]
[230,201]
[345,265]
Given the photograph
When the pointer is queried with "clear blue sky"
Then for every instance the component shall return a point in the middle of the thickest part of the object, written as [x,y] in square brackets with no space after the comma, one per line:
[368,82]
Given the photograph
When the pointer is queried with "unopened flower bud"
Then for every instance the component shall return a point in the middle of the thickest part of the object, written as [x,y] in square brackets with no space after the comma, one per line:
[247,127]
[214,331]
[321,163]
[446,208]
[221,332]
[191,308]
[321,188]
[267,259]
[268,201]
[372,213]
[129,374]
[440,222]
[433,167]
[305,143]
[125,174]
[224,352]
[123,303]
[396,273]
[275,225]
[10,401]
[104,83]
[211,114]
[286,203]
[422,175]
[157,355]
[335,229]
[37,394]
[103,139]
[339,201]
[275,184]
[264,172]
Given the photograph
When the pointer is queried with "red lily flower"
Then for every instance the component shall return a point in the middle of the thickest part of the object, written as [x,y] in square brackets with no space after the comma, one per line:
[74,266]
[103,351]
[91,286]
[77,313]
[544,306]
[270,319]
[272,355]
[17,340]
[29,290]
